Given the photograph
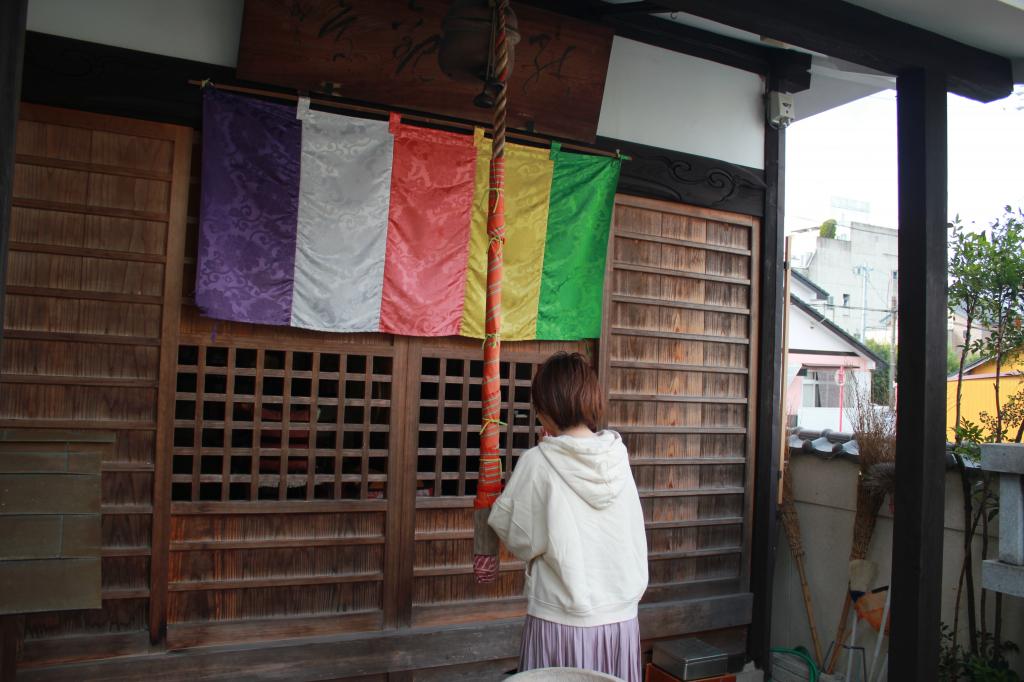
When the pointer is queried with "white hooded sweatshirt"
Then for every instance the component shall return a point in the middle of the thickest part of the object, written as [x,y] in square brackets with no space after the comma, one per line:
[572,513]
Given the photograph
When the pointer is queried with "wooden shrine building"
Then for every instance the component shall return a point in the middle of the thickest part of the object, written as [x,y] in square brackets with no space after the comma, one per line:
[274,503]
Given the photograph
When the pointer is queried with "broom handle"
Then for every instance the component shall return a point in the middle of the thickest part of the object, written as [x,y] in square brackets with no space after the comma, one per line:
[810,612]
[792,533]
[840,635]
[784,436]
[784,473]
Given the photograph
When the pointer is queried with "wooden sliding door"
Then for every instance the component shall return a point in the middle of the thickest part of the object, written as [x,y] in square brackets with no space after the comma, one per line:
[93,290]
[678,361]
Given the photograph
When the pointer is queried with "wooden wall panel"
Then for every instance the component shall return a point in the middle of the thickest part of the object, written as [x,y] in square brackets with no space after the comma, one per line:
[96,361]
[85,275]
[43,316]
[97,204]
[678,364]
[81,233]
[489,671]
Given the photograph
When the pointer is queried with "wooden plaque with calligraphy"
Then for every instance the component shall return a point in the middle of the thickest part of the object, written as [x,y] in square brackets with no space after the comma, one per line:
[385,51]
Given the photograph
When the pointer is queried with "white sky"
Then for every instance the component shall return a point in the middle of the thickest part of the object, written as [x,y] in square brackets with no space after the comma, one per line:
[850,152]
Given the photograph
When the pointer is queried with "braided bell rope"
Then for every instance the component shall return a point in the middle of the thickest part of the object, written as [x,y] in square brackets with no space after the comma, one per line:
[489,478]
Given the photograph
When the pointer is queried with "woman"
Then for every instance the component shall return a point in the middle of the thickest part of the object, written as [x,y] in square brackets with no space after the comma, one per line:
[572,513]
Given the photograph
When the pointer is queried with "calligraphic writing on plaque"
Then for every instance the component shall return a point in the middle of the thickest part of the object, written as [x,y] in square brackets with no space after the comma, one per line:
[385,52]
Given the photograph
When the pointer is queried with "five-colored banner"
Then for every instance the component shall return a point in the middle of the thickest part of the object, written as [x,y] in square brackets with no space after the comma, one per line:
[334,223]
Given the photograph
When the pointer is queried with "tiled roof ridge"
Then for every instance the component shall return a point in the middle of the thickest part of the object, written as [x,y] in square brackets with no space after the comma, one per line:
[829,444]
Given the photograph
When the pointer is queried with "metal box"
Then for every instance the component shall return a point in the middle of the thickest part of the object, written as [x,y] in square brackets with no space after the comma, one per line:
[689,659]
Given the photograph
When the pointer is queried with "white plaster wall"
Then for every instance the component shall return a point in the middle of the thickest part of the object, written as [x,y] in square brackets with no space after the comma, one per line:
[826,499]
[808,333]
[802,291]
[203,30]
[819,418]
[665,99]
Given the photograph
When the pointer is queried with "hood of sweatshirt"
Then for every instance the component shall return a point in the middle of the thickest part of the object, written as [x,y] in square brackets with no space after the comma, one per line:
[596,469]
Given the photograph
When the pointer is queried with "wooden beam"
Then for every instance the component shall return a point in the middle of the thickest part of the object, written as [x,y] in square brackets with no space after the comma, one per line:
[629,21]
[694,615]
[687,178]
[921,404]
[400,546]
[688,40]
[75,74]
[793,67]
[11,633]
[379,652]
[769,389]
[843,30]
[170,326]
[643,7]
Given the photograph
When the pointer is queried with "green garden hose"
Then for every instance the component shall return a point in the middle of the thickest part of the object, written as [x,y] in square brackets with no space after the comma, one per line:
[801,653]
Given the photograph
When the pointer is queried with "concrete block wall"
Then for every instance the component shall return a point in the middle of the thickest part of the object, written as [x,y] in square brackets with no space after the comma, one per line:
[50,519]
[825,492]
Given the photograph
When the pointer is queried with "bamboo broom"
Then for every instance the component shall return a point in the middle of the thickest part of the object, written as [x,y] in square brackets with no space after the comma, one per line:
[876,442]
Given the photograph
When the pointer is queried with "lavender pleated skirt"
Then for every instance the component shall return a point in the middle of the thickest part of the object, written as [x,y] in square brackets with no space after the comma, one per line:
[613,649]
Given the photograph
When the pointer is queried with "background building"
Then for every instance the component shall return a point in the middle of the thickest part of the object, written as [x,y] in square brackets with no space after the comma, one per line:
[858,270]
[979,388]
[818,350]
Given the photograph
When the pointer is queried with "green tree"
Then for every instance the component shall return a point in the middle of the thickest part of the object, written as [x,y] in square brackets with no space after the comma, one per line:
[828,229]
[881,390]
[987,284]
[969,253]
[1003,306]
[1001,314]
[952,361]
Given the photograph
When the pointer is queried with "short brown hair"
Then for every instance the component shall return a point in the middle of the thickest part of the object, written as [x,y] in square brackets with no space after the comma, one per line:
[565,389]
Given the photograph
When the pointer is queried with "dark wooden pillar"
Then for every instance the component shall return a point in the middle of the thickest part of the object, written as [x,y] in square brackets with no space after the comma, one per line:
[769,388]
[12,47]
[921,395]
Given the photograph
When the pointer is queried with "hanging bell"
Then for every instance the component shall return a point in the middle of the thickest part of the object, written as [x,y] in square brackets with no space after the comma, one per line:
[467,42]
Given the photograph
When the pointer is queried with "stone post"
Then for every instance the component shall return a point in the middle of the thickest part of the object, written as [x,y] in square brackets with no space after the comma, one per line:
[1007,573]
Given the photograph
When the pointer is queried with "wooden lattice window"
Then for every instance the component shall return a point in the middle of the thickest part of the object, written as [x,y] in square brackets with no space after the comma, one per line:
[264,424]
[448,455]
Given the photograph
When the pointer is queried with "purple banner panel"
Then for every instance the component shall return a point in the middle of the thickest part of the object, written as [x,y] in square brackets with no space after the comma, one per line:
[248,210]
